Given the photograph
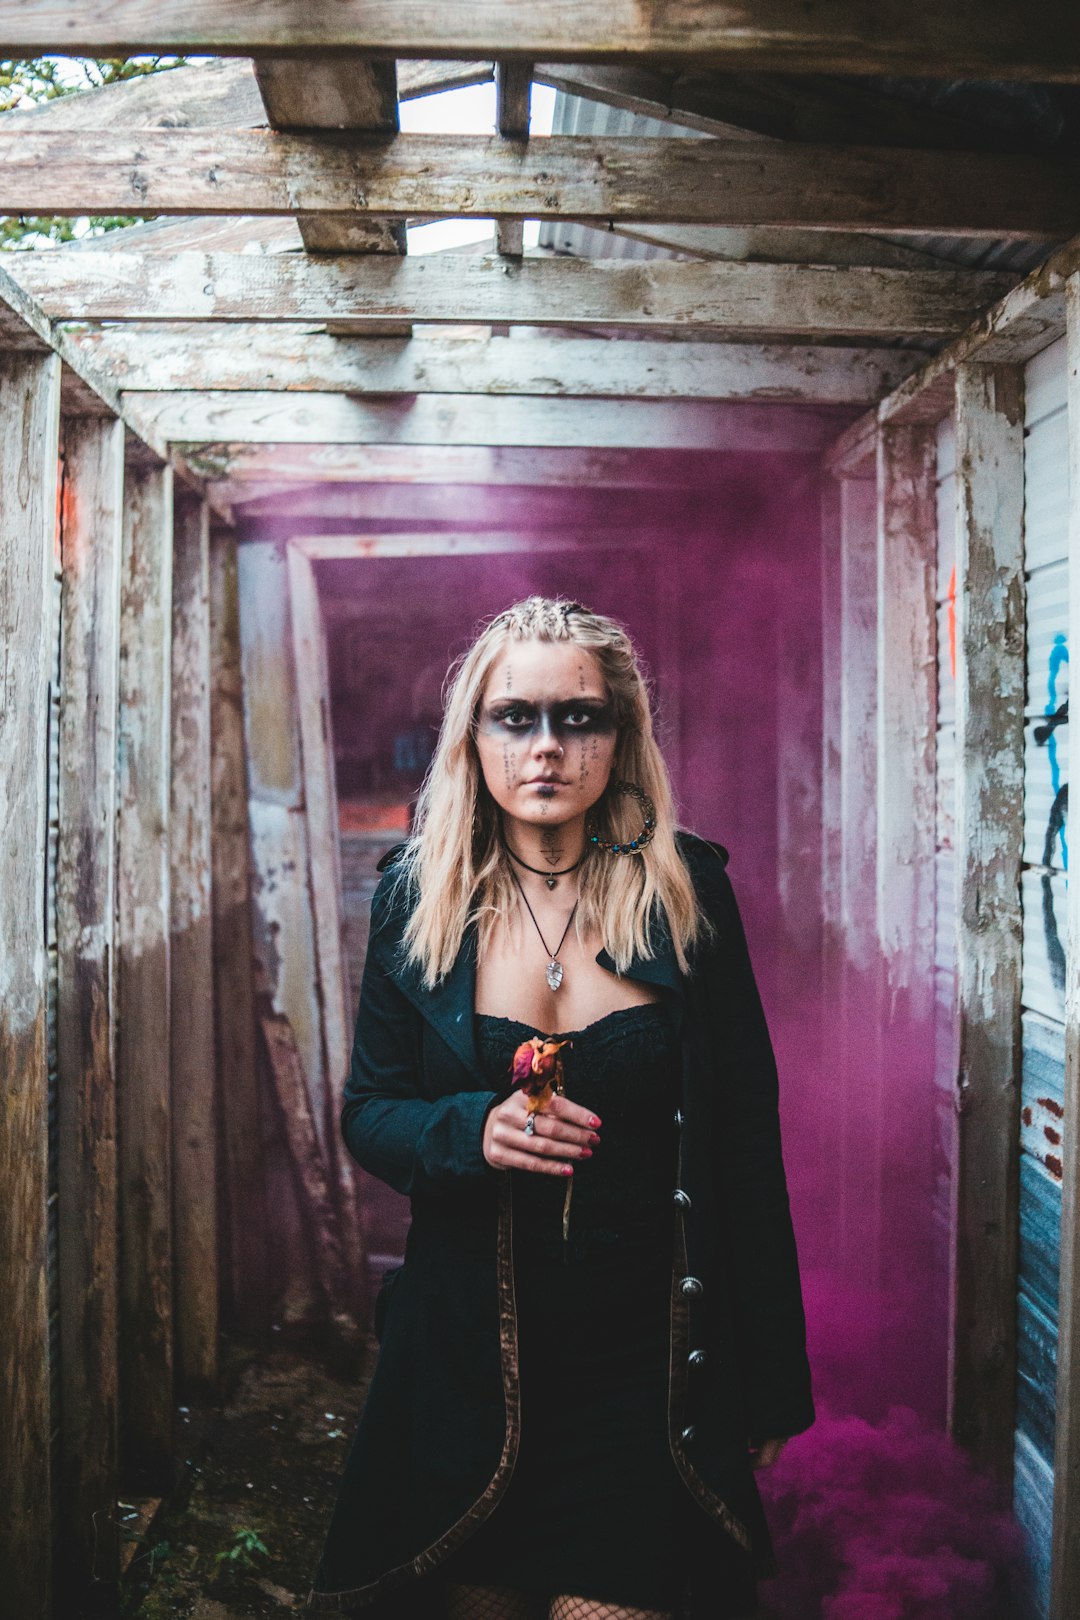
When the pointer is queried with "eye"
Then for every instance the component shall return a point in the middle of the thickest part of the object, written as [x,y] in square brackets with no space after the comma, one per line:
[516,718]
[578,718]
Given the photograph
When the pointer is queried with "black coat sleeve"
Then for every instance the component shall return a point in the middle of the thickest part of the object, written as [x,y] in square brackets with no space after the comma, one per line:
[390,1128]
[768,1318]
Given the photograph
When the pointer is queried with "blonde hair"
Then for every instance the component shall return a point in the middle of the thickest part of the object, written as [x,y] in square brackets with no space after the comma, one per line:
[454,859]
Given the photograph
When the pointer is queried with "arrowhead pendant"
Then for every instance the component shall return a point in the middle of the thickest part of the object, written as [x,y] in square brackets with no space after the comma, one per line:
[554,973]
[550,881]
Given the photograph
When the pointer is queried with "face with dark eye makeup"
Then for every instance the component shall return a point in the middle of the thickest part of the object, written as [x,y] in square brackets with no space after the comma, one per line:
[545,732]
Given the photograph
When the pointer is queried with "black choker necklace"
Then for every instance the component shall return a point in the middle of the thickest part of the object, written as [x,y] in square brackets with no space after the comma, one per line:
[548,877]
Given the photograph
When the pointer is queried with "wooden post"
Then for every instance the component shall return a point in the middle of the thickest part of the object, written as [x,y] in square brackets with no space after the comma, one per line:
[243,1247]
[859,1166]
[906,842]
[284,948]
[832,934]
[989,799]
[192,1053]
[29,416]
[142,921]
[325,886]
[1065,1541]
[91,523]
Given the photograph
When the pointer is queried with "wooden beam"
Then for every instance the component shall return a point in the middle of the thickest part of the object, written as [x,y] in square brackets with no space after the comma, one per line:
[906,715]
[91,517]
[447,419]
[458,543]
[753,300]
[513,96]
[285,955]
[143,983]
[244,1248]
[191,964]
[351,179]
[859,1119]
[29,414]
[312,679]
[25,327]
[751,36]
[253,356]
[1023,321]
[223,91]
[1065,1540]
[990,836]
[320,93]
[234,465]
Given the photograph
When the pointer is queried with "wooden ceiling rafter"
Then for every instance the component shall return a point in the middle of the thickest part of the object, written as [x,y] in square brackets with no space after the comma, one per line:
[963,40]
[753,301]
[339,185]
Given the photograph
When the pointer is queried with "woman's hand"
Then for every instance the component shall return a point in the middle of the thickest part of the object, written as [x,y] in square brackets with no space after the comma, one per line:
[563,1130]
[767,1453]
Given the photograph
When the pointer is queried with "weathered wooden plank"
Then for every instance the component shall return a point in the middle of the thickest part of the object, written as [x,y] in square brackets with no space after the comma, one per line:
[194,1149]
[454,543]
[29,413]
[221,91]
[859,1119]
[351,178]
[235,465]
[776,35]
[244,1258]
[746,299]
[255,356]
[339,92]
[91,516]
[513,97]
[989,765]
[143,981]
[285,956]
[446,419]
[290,1093]
[312,677]
[1065,1547]
[906,716]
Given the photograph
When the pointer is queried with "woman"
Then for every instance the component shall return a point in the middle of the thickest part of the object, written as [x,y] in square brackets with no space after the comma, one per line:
[597,1335]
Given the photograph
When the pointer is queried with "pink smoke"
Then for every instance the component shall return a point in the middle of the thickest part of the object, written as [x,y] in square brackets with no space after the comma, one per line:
[886,1521]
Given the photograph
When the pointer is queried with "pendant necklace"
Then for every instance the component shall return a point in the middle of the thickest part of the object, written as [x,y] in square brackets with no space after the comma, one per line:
[554,967]
[548,877]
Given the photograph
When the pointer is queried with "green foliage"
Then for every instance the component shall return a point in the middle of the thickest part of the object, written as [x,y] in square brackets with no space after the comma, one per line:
[43,78]
[231,1560]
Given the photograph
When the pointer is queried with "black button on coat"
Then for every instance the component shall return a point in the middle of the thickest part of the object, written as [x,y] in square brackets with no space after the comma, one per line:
[439,1433]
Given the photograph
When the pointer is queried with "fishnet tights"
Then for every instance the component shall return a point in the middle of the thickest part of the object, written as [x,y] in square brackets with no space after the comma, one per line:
[506,1603]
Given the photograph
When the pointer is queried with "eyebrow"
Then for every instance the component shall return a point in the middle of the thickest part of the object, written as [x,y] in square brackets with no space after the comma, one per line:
[581,700]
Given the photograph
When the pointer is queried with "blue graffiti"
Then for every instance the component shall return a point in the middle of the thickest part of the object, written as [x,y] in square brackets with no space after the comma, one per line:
[1057,714]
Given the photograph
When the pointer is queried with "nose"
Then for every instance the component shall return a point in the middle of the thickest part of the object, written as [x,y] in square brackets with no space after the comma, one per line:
[547,743]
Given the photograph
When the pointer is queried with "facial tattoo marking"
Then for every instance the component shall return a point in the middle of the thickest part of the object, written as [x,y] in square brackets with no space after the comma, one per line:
[550,845]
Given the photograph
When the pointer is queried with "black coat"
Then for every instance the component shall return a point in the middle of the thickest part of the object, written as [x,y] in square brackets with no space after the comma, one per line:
[440,1428]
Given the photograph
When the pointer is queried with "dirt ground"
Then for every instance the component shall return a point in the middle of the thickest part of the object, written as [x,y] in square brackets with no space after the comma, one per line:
[243,1534]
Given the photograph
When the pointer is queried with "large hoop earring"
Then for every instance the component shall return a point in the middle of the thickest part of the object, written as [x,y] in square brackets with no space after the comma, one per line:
[632,846]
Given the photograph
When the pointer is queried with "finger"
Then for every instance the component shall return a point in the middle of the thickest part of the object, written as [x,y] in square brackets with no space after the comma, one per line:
[535,1142]
[512,1159]
[561,1131]
[563,1108]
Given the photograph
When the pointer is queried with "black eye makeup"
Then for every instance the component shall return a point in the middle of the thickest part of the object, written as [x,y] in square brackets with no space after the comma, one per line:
[573,717]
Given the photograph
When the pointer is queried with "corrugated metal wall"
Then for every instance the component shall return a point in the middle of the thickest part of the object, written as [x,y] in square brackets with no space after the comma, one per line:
[1046,484]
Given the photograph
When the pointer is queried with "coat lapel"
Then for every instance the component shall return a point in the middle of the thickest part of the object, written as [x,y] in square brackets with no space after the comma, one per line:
[448,1007]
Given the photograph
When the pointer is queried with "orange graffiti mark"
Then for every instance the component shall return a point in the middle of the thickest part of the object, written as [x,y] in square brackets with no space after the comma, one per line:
[1053,1164]
[1051,1105]
[1052,1135]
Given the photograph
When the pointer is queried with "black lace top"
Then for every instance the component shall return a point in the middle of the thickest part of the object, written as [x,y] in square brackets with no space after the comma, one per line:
[625,1068]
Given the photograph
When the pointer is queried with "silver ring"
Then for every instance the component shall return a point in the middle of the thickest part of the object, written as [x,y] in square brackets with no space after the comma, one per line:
[530,1125]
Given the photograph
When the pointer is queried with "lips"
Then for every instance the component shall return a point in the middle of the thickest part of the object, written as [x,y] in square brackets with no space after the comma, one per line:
[545,781]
